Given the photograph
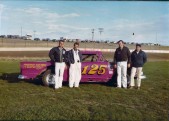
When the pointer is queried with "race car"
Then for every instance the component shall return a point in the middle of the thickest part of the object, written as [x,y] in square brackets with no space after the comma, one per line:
[95,68]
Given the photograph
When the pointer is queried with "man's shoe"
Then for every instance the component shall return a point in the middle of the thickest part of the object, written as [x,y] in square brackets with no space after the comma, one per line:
[138,88]
[131,87]
[118,87]
[55,88]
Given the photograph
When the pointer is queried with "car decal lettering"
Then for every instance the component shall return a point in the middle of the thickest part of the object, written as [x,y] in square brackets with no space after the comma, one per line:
[85,70]
[102,69]
[35,66]
[94,69]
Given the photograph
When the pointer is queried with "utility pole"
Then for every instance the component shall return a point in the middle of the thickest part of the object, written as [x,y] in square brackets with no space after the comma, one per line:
[0,23]
[93,37]
[156,37]
[133,37]
[34,33]
[21,31]
[92,34]
[100,31]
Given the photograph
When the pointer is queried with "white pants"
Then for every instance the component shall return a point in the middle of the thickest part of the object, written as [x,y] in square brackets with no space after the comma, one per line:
[59,70]
[122,74]
[135,71]
[74,74]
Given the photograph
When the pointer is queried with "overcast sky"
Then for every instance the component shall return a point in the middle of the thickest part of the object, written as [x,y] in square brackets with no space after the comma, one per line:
[54,19]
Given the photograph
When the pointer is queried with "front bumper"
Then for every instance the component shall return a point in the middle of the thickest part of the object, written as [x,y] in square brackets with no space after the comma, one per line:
[21,77]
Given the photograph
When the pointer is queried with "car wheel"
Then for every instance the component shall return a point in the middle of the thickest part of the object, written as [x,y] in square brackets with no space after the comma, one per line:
[46,77]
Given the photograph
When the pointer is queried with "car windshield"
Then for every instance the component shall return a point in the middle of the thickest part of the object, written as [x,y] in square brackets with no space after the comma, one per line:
[89,57]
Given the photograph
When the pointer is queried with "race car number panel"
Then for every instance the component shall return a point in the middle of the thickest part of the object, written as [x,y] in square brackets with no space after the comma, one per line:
[94,69]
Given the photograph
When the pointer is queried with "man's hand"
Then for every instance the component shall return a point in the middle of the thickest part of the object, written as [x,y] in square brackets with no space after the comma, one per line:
[66,66]
[128,65]
[115,66]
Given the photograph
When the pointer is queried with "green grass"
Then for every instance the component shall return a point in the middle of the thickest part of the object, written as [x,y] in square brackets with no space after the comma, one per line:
[28,101]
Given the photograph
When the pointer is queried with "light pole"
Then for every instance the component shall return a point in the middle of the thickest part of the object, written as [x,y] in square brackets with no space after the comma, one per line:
[100,31]
[93,37]
[1,8]
[21,31]
[34,33]
[92,34]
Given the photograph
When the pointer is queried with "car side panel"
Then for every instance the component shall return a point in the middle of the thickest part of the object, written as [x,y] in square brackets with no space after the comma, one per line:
[33,69]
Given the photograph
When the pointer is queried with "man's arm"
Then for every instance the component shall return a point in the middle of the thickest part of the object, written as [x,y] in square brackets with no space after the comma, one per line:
[115,61]
[128,56]
[80,55]
[66,56]
[132,57]
[115,55]
[144,57]
[51,54]
[69,56]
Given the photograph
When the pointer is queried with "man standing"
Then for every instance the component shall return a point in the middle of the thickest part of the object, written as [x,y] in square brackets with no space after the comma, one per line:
[74,59]
[57,55]
[138,58]
[122,61]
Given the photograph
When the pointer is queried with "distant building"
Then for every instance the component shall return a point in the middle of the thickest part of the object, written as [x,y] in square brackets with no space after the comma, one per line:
[28,37]
[2,36]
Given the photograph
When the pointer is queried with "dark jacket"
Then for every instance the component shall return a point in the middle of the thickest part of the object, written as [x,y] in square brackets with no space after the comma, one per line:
[138,60]
[54,55]
[70,56]
[122,55]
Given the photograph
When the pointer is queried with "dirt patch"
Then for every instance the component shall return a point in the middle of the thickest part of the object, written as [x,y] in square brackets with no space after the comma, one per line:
[8,55]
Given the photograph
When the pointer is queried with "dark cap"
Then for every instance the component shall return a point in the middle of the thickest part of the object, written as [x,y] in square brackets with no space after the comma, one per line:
[138,45]
[121,41]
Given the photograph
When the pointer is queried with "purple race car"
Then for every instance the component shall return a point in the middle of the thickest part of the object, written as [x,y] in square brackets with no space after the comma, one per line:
[95,68]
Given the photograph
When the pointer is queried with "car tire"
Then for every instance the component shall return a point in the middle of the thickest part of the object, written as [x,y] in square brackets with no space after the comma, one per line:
[45,77]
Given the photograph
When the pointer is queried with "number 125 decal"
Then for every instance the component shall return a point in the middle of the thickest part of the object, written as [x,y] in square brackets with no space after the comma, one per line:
[95,69]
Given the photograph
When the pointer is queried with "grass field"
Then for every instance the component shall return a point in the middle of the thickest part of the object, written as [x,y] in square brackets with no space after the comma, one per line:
[30,100]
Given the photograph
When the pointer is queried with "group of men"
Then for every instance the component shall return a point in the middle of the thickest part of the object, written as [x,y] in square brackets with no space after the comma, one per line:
[61,58]
[123,59]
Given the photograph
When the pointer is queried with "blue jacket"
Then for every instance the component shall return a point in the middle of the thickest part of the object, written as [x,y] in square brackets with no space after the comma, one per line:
[138,60]
[70,56]
[54,55]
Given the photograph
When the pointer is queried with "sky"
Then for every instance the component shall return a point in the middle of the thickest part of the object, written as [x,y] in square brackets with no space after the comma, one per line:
[149,21]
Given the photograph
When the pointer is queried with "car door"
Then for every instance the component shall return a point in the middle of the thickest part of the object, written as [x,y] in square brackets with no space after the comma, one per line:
[94,71]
